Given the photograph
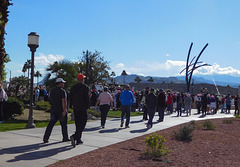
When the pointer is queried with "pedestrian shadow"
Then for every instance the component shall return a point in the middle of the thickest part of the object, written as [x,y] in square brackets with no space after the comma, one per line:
[139,130]
[114,130]
[40,154]
[134,122]
[26,148]
[91,129]
[116,119]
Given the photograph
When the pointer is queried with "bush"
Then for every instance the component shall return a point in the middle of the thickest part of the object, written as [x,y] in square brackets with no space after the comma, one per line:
[94,113]
[43,105]
[11,107]
[184,133]
[155,147]
[208,125]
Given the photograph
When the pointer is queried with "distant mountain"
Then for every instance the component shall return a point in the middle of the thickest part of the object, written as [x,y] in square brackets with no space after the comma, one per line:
[221,80]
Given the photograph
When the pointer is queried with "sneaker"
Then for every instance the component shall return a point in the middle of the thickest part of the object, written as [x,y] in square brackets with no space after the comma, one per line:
[127,126]
[102,127]
[121,125]
[73,141]
[149,126]
[79,142]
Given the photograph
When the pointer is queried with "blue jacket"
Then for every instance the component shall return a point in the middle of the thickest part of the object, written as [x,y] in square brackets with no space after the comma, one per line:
[126,97]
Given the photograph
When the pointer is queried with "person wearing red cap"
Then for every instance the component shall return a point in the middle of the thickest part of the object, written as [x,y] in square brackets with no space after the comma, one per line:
[80,101]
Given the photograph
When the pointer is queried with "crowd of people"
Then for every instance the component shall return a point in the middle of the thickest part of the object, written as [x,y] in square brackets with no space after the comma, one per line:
[148,101]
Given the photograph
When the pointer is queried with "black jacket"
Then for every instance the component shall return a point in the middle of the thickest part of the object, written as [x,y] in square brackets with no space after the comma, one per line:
[162,100]
[151,100]
[79,97]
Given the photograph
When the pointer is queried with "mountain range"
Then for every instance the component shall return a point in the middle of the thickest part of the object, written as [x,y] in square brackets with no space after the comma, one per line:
[221,80]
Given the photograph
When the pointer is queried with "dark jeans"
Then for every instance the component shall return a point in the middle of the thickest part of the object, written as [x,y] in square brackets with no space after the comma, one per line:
[161,113]
[145,112]
[104,111]
[80,123]
[151,112]
[1,111]
[179,109]
[63,121]
[126,111]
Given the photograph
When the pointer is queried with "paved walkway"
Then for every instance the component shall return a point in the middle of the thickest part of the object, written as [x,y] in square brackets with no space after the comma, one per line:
[24,148]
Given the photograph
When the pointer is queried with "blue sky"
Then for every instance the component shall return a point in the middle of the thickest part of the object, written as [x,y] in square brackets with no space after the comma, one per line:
[145,37]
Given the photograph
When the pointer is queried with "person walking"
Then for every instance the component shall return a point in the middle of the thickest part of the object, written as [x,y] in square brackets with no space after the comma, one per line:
[104,100]
[126,98]
[58,101]
[143,101]
[3,98]
[179,104]
[80,101]
[151,102]
[188,104]
[169,102]
[161,105]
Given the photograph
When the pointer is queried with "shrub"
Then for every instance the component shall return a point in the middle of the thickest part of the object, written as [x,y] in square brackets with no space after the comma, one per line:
[208,125]
[11,107]
[43,105]
[237,116]
[184,133]
[155,147]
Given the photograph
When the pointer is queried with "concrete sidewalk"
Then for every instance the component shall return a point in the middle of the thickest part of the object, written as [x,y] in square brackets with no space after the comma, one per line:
[24,148]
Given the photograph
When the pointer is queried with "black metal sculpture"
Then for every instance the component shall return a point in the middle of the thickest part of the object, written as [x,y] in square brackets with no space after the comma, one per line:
[189,70]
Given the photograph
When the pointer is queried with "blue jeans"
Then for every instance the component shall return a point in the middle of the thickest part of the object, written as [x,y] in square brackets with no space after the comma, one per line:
[104,111]
[63,121]
[170,108]
[161,113]
[126,111]
[151,112]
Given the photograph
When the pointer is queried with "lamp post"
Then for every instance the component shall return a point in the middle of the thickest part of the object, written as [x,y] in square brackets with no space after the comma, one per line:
[33,43]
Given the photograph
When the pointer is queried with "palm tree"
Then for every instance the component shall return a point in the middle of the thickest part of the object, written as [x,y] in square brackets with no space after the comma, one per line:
[137,79]
[37,74]
[24,69]
[124,74]
[151,79]
[3,22]
[113,75]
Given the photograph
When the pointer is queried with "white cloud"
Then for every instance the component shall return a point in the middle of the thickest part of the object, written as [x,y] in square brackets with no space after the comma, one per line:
[168,55]
[46,60]
[169,68]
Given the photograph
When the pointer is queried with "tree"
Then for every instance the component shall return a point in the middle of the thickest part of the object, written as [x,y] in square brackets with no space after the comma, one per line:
[124,74]
[4,4]
[150,79]
[28,65]
[112,75]
[97,70]
[37,74]
[18,82]
[137,79]
[63,69]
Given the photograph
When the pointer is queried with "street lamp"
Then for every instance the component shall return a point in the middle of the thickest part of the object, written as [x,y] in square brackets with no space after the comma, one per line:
[33,43]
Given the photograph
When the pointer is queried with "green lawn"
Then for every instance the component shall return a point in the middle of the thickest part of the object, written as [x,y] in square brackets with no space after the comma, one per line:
[17,124]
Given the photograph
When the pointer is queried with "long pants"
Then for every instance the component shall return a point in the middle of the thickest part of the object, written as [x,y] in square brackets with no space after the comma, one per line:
[63,121]
[145,112]
[179,109]
[126,111]
[204,109]
[170,108]
[104,111]
[151,112]
[1,111]
[161,113]
[80,117]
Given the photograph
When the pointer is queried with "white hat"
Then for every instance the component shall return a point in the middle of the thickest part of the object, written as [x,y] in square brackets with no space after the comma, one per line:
[60,80]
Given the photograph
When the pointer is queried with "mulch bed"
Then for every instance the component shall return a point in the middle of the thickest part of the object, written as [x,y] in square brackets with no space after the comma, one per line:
[219,147]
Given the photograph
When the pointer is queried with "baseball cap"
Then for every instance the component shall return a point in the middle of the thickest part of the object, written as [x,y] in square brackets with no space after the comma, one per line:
[80,76]
[60,80]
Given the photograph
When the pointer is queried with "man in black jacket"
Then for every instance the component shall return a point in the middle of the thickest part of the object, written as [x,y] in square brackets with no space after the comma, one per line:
[161,105]
[151,102]
[80,101]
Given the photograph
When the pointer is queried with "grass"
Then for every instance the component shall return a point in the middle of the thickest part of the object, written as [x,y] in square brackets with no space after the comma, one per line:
[21,124]
[18,125]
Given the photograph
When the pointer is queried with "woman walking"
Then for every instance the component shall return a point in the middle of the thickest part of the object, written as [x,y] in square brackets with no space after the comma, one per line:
[104,100]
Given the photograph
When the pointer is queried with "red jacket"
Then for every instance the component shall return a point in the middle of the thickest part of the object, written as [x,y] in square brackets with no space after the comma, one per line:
[169,99]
